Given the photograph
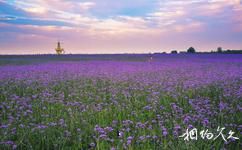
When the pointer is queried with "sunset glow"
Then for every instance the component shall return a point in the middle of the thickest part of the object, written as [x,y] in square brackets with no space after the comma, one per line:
[108,26]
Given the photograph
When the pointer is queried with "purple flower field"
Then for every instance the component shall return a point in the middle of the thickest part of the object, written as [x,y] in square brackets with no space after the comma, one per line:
[114,104]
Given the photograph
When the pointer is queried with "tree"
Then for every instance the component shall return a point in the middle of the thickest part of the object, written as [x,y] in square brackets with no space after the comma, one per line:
[191,50]
[174,52]
[219,50]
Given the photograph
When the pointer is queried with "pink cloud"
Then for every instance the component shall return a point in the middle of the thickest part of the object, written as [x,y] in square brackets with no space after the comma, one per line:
[172,25]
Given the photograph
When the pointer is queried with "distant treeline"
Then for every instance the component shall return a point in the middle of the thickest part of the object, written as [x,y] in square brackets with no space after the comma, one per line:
[229,52]
[219,50]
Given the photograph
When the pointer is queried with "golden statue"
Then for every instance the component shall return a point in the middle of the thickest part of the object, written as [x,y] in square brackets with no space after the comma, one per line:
[59,50]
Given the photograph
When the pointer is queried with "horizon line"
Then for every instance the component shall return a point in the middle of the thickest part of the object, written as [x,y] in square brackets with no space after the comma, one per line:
[161,52]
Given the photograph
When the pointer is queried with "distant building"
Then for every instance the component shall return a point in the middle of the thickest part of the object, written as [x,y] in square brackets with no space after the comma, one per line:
[59,50]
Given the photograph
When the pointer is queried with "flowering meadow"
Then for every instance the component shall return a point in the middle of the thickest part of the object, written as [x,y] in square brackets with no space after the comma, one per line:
[122,104]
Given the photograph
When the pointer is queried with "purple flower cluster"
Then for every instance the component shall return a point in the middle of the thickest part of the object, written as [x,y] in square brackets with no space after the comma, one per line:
[118,104]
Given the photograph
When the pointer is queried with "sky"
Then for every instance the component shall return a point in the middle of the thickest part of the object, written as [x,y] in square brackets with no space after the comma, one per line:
[119,26]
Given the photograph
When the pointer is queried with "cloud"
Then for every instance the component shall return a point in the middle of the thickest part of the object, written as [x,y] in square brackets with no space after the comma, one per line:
[123,25]
[86,5]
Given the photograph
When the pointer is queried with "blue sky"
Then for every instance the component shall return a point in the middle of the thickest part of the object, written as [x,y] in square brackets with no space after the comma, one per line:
[121,26]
